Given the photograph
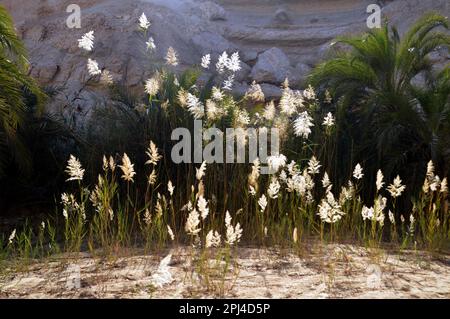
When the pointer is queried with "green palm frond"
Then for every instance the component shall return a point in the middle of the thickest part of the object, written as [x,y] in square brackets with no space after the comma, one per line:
[15,85]
[378,105]
[10,43]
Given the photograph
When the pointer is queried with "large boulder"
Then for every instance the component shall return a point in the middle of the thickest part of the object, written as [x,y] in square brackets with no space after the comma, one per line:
[272,66]
[271,92]
[210,42]
[243,74]
[212,11]
[299,74]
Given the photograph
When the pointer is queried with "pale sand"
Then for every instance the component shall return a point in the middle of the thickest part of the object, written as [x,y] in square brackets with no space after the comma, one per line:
[335,271]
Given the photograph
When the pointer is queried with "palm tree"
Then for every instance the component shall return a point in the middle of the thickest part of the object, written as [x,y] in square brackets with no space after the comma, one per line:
[433,108]
[15,87]
[377,105]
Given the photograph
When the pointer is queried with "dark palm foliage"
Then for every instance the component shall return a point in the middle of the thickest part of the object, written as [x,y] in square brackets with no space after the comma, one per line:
[434,110]
[384,120]
[15,85]
[33,144]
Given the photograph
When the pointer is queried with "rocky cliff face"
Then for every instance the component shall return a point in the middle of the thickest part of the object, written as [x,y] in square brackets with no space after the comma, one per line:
[275,38]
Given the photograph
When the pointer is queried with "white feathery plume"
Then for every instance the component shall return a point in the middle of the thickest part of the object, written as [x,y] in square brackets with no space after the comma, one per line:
[217,94]
[195,107]
[234,63]
[65,214]
[328,120]
[171,57]
[170,188]
[309,93]
[150,44]
[206,61]
[202,204]
[273,189]
[231,63]
[283,176]
[233,233]
[193,222]
[159,207]
[127,168]
[380,178]
[111,214]
[435,183]
[87,41]
[275,162]
[212,239]
[74,169]
[147,217]
[170,232]
[254,176]
[358,172]
[163,276]
[412,222]
[313,166]
[213,112]
[329,209]
[444,185]
[309,182]
[376,213]
[347,193]
[255,93]
[303,124]
[391,217]
[242,118]
[152,86]
[152,177]
[153,154]
[112,164]
[12,236]
[367,213]
[290,100]
[105,163]
[200,172]
[426,186]
[106,78]
[396,188]
[262,202]
[143,22]
[228,83]
[182,97]
[93,68]
[430,169]
[269,111]
[227,219]
[222,62]
[326,183]
[292,168]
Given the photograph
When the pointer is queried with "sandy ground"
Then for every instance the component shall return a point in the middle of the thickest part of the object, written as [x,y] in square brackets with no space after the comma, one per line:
[334,271]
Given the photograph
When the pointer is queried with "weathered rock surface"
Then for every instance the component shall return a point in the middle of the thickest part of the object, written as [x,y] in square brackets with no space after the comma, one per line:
[213,11]
[272,66]
[258,29]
